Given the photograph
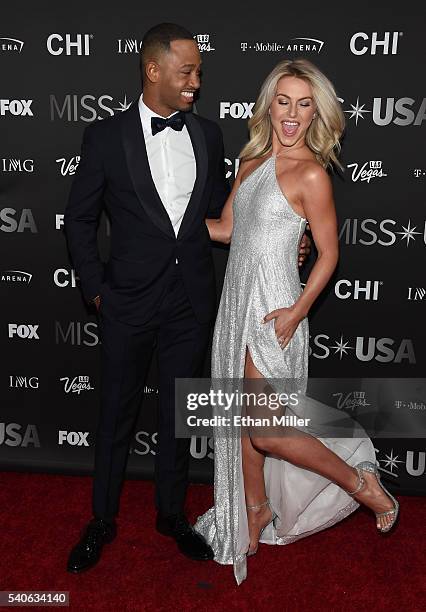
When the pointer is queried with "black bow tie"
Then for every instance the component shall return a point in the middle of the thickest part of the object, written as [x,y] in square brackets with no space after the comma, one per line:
[176,122]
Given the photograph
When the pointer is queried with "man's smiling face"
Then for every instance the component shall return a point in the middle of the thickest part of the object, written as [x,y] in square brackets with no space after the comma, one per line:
[178,76]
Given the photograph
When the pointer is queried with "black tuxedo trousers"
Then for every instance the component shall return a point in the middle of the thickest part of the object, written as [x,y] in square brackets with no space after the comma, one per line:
[127,350]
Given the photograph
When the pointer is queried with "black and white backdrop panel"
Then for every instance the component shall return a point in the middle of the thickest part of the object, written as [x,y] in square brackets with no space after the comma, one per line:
[66,65]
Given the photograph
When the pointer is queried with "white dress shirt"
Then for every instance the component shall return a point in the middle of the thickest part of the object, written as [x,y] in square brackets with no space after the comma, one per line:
[172,164]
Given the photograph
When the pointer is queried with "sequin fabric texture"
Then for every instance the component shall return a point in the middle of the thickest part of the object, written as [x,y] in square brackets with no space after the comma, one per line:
[262,275]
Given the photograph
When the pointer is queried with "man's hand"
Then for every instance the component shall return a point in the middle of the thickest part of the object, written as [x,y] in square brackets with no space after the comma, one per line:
[97,301]
[304,248]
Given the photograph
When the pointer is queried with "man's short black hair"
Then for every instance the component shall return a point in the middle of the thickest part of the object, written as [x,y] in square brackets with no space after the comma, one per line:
[158,40]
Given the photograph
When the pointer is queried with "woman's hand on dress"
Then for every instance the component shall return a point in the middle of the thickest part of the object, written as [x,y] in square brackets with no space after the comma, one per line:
[286,323]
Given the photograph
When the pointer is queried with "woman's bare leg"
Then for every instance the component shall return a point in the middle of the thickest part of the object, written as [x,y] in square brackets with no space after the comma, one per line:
[307,452]
[254,482]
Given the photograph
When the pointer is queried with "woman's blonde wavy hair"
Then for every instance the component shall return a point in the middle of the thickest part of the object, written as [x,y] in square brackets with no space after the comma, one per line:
[324,133]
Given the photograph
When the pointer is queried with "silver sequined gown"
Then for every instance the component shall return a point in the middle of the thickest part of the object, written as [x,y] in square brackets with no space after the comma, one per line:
[262,275]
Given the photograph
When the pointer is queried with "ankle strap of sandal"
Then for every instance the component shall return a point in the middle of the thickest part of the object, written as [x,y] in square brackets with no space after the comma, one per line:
[265,503]
[361,483]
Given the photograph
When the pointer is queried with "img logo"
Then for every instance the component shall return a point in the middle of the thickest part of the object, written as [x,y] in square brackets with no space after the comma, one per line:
[416,293]
[17,165]
[23,382]
[129,45]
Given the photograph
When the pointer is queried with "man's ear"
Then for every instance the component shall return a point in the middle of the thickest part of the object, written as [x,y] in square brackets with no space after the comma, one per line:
[152,71]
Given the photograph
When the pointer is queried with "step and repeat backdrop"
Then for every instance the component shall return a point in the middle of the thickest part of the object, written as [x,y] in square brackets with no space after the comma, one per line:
[63,67]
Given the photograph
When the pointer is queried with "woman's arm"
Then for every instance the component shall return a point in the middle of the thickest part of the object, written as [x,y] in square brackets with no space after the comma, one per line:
[220,230]
[318,204]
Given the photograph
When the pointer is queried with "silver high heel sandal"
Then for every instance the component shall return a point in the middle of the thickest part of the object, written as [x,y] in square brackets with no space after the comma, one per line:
[274,516]
[367,466]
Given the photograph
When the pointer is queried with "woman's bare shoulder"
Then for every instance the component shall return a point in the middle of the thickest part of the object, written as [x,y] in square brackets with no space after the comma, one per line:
[312,173]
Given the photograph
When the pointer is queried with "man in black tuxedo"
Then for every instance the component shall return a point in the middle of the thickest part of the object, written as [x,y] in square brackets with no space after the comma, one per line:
[158,179]
[159,171]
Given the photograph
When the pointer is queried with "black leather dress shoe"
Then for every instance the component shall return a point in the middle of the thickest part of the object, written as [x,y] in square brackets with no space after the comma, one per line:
[190,543]
[88,551]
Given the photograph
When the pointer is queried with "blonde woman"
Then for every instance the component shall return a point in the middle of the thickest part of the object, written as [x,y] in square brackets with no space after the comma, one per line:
[278,486]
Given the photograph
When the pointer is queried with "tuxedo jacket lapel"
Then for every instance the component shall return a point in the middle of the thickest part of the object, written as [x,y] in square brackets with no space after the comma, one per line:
[140,173]
[201,159]
[138,165]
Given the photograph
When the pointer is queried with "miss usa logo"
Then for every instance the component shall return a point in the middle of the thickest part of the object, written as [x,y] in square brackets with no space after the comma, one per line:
[17,221]
[15,434]
[383,111]
[414,462]
[382,350]
[382,232]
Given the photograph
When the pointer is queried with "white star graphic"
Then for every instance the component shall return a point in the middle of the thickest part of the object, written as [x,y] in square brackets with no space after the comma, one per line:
[123,106]
[391,461]
[408,233]
[357,111]
[341,347]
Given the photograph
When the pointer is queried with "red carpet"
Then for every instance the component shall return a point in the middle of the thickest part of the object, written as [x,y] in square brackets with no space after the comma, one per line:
[349,567]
